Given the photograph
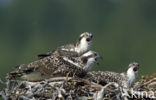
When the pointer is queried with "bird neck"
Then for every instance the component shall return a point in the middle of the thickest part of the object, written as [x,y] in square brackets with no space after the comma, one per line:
[89,64]
[131,77]
[82,46]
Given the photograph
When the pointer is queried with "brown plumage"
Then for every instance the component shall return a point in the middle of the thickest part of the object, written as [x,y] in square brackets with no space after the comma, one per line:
[73,50]
[47,67]
[125,79]
[104,77]
[56,66]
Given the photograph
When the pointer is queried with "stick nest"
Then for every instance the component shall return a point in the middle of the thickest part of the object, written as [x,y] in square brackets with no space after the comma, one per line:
[73,88]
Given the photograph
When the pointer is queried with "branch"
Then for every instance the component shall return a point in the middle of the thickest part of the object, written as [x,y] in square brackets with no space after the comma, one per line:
[72,88]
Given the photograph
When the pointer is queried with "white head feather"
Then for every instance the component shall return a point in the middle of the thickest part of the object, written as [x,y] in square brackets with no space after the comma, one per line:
[91,59]
[132,73]
[85,42]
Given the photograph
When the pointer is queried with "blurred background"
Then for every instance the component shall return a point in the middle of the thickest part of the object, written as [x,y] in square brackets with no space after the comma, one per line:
[124,31]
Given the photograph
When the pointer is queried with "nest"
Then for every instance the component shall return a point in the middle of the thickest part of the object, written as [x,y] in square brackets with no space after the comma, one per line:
[73,88]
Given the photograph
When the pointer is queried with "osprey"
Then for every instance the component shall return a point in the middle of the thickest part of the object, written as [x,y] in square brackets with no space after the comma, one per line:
[73,50]
[56,66]
[125,79]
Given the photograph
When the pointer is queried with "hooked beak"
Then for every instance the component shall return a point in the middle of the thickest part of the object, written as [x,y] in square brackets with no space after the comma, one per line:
[100,57]
[97,62]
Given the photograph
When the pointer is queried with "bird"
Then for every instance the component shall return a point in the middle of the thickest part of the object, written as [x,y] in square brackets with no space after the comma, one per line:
[56,66]
[86,61]
[126,79]
[73,50]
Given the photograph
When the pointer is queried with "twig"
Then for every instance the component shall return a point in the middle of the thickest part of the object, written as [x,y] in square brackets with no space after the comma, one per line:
[99,95]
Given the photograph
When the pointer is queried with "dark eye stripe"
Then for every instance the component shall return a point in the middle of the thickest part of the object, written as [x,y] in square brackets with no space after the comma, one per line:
[80,38]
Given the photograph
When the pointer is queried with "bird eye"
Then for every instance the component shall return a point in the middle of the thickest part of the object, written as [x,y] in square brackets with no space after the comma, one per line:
[94,54]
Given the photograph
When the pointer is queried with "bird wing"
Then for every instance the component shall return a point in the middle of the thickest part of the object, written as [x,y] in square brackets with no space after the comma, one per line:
[49,66]
[41,56]
[44,66]
[70,66]
[104,77]
[66,50]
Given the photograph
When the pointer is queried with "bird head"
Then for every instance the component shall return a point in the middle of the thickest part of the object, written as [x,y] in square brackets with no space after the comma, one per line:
[90,58]
[84,42]
[133,67]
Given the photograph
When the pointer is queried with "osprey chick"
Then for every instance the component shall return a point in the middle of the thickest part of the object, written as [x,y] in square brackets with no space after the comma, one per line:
[73,50]
[56,66]
[127,79]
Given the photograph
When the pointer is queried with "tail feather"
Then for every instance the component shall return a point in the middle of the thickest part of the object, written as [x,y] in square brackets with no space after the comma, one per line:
[40,56]
[16,74]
